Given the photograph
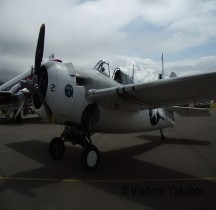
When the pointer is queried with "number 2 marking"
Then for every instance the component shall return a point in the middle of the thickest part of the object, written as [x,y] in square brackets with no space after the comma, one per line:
[52,88]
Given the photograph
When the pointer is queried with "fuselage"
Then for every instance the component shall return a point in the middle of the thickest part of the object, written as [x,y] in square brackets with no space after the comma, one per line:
[66,90]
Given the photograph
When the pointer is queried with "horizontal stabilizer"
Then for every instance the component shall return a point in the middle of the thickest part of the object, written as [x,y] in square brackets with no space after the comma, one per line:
[190,112]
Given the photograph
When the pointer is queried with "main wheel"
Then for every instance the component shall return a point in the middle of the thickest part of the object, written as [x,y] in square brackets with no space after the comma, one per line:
[90,157]
[56,148]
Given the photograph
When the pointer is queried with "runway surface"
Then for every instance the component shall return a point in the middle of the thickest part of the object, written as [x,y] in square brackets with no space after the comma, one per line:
[136,171]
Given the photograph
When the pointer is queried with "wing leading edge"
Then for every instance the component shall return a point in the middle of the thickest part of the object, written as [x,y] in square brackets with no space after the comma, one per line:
[160,93]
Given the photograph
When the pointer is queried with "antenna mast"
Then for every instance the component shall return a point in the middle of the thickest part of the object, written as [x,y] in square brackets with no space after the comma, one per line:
[162,66]
[133,74]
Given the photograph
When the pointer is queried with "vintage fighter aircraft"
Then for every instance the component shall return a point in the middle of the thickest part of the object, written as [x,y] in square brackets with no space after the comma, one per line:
[12,95]
[90,101]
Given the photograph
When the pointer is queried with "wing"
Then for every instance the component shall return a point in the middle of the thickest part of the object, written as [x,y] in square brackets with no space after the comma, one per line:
[160,93]
[8,85]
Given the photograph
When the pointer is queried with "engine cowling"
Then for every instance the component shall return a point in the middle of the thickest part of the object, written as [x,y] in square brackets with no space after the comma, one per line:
[57,84]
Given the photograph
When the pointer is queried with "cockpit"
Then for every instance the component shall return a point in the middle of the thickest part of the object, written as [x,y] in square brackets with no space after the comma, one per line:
[103,67]
[118,75]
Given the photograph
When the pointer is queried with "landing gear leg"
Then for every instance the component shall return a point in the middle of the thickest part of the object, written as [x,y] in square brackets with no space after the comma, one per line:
[76,135]
[162,136]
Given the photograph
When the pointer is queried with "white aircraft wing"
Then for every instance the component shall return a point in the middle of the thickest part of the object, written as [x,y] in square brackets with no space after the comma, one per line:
[8,85]
[160,93]
[11,90]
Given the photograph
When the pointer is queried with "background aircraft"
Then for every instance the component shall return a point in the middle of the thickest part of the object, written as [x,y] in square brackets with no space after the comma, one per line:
[12,95]
[91,101]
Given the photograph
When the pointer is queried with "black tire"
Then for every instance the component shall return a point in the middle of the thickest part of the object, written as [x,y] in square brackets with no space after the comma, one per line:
[90,158]
[56,148]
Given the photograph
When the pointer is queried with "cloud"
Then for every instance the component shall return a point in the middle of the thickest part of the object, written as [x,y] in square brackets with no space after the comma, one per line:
[162,12]
[195,28]
[147,69]
[84,31]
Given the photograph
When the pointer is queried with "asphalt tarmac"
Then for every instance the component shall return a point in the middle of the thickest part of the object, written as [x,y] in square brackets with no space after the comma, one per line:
[136,171]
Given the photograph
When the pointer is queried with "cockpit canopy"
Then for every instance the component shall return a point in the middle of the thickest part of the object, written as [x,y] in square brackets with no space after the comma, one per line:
[122,78]
[118,75]
[103,67]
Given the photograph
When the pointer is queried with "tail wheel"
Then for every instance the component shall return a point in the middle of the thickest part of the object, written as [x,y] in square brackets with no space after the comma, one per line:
[56,148]
[90,157]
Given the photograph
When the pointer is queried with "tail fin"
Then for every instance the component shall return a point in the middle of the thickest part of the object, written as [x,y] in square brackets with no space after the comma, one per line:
[173,74]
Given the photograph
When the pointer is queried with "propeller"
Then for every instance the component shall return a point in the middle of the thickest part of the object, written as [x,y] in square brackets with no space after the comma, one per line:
[43,101]
[39,50]
[34,84]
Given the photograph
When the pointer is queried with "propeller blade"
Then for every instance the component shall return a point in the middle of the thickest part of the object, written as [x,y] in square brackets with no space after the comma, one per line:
[43,101]
[39,49]
[20,108]
[32,72]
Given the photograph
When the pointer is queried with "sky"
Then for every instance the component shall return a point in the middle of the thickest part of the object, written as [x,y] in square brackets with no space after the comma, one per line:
[123,32]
